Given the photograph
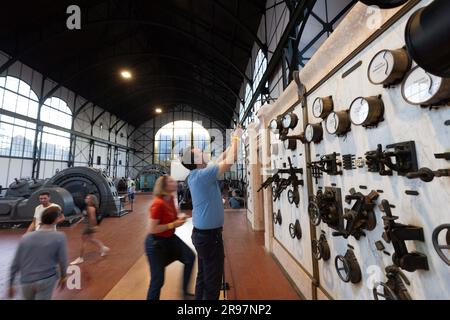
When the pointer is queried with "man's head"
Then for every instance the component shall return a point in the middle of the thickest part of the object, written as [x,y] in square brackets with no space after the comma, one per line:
[193,158]
[50,215]
[234,193]
[44,198]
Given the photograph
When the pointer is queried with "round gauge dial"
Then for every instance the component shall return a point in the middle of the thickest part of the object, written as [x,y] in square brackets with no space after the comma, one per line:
[274,125]
[388,67]
[313,133]
[338,122]
[290,121]
[322,107]
[366,111]
[423,88]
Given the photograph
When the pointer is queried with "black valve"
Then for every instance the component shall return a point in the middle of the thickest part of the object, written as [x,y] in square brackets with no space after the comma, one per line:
[440,247]
[328,164]
[295,230]
[326,206]
[394,288]
[398,233]
[320,248]
[347,267]
[277,219]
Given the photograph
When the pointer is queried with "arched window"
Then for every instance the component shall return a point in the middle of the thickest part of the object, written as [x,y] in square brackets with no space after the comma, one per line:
[55,143]
[174,137]
[17,135]
[259,69]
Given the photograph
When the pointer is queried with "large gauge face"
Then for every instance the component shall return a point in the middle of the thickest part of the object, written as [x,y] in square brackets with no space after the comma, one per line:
[359,111]
[367,111]
[381,67]
[338,123]
[273,125]
[313,132]
[289,121]
[322,107]
[420,87]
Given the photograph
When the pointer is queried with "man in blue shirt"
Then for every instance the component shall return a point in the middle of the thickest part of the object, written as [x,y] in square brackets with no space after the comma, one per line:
[208,215]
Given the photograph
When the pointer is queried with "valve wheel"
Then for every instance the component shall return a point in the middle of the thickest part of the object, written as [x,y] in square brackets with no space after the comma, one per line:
[314,213]
[343,269]
[441,247]
[317,249]
[387,294]
[292,230]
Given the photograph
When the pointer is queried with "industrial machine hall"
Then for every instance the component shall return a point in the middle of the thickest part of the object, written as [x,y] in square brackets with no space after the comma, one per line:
[228,151]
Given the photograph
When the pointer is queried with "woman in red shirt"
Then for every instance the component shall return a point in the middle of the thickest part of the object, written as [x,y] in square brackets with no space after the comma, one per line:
[162,245]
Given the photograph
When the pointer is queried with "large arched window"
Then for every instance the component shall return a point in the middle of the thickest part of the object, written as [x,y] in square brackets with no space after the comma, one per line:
[175,136]
[56,143]
[17,135]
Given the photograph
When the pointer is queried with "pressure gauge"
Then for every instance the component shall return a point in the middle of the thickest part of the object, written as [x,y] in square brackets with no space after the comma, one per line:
[275,125]
[338,122]
[290,144]
[314,132]
[423,88]
[388,67]
[290,121]
[367,111]
[322,107]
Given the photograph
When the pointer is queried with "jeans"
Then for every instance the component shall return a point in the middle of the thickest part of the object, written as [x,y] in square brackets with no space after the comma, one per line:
[39,290]
[162,252]
[210,251]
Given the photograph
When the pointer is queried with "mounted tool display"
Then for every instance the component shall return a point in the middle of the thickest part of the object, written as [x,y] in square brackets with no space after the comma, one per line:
[328,164]
[398,233]
[441,247]
[295,230]
[394,288]
[404,154]
[320,248]
[326,206]
[361,216]
[347,267]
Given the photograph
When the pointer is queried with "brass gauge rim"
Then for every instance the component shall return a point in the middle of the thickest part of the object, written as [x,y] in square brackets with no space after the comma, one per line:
[402,64]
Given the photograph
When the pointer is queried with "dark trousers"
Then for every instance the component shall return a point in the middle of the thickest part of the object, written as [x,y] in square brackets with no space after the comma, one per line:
[162,252]
[210,254]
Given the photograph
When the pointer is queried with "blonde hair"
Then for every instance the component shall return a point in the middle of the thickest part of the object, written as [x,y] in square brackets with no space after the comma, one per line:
[159,189]
[93,201]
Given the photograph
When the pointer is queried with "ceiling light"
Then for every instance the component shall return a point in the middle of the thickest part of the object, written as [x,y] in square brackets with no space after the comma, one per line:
[126,74]
[158,110]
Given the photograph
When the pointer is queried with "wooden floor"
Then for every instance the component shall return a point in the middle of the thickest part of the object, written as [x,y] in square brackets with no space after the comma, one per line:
[124,273]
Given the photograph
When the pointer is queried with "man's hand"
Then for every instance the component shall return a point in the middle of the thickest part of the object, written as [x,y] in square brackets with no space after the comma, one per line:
[11,292]
[179,222]
[237,132]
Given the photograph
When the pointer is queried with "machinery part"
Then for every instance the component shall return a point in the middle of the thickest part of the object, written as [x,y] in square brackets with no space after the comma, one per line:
[321,249]
[276,125]
[19,188]
[326,206]
[425,89]
[445,155]
[293,196]
[379,245]
[361,216]
[389,67]
[289,121]
[404,154]
[81,181]
[427,175]
[348,161]
[359,162]
[295,230]
[384,4]
[440,247]
[277,219]
[338,123]
[399,233]
[394,288]
[322,107]
[290,144]
[149,174]
[328,164]
[313,133]
[347,267]
[367,111]
[425,32]
[314,212]
[273,179]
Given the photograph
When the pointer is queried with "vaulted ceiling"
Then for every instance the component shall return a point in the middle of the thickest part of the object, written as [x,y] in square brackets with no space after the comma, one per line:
[191,52]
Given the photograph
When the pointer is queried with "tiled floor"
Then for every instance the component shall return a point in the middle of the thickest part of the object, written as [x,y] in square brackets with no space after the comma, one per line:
[123,274]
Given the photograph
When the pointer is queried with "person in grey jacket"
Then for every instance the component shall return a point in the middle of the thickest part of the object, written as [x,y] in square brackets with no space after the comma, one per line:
[37,259]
